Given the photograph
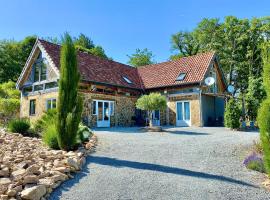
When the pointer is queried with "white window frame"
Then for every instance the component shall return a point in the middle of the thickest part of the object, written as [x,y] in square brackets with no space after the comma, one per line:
[127,80]
[51,103]
[111,103]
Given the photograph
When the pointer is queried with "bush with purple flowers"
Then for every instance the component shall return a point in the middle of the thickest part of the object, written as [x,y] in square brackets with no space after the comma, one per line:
[254,162]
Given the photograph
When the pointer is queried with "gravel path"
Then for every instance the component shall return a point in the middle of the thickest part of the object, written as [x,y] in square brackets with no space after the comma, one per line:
[179,163]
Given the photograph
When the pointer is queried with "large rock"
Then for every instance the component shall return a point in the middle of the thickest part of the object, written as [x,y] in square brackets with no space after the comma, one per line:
[4,172]
[18,174]
[73,163]
[34,193]
[30,179]
[33,169]
[5,181]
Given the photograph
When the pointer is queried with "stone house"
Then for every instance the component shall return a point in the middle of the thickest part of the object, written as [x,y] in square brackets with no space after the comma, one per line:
[110,89]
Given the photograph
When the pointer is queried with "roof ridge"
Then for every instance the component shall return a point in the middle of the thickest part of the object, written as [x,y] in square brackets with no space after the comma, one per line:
[178,59]
[84,52]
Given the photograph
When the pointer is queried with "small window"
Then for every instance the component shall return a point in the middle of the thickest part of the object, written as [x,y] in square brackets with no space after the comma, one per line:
[111,108]
[51,85]
[94,107]
[38,87]
[50,104]
[181,77]
[32,107]
[127,80]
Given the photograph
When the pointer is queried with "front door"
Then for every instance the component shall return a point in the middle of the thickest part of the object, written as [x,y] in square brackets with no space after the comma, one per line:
[103,114]
[183,113]
[156,118]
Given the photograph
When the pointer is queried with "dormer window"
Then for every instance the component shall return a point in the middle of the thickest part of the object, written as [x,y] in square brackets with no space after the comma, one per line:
[181,77]
[127,80]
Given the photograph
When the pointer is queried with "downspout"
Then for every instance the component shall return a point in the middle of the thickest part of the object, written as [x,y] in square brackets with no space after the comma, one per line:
[200,100]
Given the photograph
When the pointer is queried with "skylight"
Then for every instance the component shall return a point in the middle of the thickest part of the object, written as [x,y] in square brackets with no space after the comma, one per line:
[181,77]
[127,80]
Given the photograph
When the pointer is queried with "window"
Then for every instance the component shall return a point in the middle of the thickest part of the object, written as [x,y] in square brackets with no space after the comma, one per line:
[94,107]
[127,80]
[111,108]
[43,71]
[40,69]
[32,107]
[51,85]
[50,104]
[38,87]
[181,77]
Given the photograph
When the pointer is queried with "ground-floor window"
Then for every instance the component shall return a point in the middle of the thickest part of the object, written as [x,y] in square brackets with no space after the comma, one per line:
[50,103]
[32,107]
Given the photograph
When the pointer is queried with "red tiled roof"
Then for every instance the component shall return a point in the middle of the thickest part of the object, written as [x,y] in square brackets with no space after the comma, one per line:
[165,74]
[95,69]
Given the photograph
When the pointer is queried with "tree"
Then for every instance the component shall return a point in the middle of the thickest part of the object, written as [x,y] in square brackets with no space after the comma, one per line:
[13,56]
[185,44]
[254,97]
[69,102]
[96,51]
[141,58]
[84,41]
[150,103]
[232,114]
[9,101]
[264,111]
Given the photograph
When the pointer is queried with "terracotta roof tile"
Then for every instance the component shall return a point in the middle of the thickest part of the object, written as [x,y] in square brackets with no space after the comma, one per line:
[93,68]
[166,73]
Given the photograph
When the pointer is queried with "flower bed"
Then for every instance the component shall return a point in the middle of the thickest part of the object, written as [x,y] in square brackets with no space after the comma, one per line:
[30,170]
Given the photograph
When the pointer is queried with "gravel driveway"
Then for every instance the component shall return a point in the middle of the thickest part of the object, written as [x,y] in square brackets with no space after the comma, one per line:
[179,163]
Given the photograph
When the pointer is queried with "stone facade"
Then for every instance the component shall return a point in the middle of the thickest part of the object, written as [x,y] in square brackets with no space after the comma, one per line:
[41,99]
[194,108]
[124,109]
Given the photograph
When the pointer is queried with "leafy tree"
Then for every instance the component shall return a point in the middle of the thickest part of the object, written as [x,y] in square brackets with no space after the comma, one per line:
[185,44]
[141,58]
[96,51]
[69,102]
[232,114]
[264,111]
[13,56]
[150,103]
[254,97]
[9,101]
[84,41]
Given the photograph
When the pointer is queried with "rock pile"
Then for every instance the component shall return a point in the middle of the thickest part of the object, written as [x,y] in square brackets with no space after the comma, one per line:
[30,170]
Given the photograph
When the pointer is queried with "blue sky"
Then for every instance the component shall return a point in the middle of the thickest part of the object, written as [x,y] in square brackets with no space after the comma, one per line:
[119,26]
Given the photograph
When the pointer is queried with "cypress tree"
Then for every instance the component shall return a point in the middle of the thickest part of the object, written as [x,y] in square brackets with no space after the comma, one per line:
[264,111]
[69,102]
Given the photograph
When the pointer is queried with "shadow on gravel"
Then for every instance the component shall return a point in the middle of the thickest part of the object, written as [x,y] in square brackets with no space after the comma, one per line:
[184,132]
[164,169]
[56,194]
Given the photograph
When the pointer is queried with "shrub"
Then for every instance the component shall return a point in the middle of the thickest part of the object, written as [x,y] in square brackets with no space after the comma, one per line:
[49,136]
[83,133]
[232,114]
[254,162]
[19,126]
[47,118]
[264,125]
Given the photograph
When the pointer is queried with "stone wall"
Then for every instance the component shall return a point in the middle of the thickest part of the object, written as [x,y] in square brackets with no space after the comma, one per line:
[194,108]
[124,109]
[40,104]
